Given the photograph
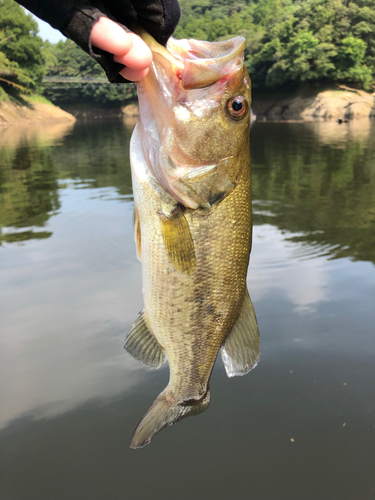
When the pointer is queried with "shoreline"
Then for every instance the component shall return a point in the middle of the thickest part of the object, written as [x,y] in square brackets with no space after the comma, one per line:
[340,103]
[306,105]
[33,113]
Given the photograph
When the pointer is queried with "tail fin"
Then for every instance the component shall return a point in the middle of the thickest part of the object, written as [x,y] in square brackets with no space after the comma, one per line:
[163,412]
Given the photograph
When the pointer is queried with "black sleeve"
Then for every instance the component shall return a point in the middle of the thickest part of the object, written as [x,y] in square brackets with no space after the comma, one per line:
[75,19]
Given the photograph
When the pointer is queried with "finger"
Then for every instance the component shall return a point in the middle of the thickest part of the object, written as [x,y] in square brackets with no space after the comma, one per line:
[109,36]
[133,75]
[138,57]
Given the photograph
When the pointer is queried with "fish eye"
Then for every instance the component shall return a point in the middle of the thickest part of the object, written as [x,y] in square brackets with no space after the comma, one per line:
[237,106]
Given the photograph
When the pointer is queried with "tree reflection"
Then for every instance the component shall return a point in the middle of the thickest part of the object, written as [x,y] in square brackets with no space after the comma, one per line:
[317,180]
[33,161]
[28,190]
[98,154]
[314,180]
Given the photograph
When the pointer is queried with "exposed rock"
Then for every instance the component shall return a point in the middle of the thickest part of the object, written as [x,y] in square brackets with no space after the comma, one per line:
[358,109]
[130,110]
[342,103]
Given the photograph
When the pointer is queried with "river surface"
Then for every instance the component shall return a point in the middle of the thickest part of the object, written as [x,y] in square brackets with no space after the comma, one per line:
[301,426]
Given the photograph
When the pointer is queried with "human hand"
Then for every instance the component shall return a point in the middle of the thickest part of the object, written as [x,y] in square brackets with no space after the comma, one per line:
[127,48]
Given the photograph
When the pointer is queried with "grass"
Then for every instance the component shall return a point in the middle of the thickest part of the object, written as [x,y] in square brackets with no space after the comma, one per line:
[32,99]
[3,95]
[36,99]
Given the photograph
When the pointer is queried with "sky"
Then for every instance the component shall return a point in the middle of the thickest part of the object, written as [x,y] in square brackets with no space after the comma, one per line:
[47,32]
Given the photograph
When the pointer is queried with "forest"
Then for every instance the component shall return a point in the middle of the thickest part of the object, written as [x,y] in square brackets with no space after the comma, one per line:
[288,43]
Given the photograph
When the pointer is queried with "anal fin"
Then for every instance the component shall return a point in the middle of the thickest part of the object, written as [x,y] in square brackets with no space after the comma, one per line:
[141,343]
[241,349]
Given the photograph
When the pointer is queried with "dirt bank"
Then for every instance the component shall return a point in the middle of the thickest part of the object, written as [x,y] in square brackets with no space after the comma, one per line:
[14,114]
[341,103]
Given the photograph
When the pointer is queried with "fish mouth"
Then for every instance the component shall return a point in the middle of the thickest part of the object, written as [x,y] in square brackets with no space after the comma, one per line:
[204,63]
[195,63]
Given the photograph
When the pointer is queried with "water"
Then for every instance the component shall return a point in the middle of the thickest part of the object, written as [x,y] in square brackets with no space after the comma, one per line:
[300,426]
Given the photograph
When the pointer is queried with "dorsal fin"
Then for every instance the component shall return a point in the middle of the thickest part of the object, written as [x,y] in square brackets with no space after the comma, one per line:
[141,343]
[241,349]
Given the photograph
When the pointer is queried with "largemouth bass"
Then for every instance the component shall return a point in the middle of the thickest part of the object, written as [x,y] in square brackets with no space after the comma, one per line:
[190,162]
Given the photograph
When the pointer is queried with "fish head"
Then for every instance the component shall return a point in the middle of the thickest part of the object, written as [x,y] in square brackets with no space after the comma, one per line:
[195,119]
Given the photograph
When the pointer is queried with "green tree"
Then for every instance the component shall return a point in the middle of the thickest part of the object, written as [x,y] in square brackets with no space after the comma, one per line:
[292,40]
[318,40]
[66,59]
[9,71]
[351,61]
[21,47]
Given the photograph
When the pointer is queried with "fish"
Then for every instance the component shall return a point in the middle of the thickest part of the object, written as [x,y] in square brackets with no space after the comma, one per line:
[190,164]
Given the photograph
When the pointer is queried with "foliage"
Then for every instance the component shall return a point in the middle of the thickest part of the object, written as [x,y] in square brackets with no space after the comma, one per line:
[70,60]
[21,58]
[3,95]
[66,60]
[292,41]
[288,42]
[9,72]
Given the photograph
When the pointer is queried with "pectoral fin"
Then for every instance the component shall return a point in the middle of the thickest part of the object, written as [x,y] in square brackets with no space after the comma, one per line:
[137,234]
[241,349]
[141,343]
[178,242]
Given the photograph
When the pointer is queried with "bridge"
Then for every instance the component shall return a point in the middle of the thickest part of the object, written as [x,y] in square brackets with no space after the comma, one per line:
[73,88]
[74,81]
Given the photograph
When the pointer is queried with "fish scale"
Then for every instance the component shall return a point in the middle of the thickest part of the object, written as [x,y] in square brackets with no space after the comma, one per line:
[193,231]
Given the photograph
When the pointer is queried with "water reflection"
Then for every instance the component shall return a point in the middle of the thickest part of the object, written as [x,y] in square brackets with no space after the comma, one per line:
[28,187]
[66,304]
[291,271]
[28,180]
[43,135]
[70,397]
[341,135]
[98,155]
[37,162]
[322,189]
